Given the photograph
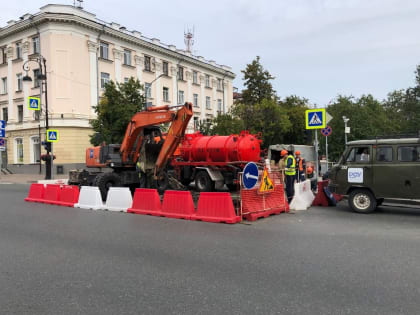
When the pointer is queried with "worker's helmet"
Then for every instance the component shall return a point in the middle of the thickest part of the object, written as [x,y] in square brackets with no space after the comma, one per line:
[309,170]
[297,152]
[283,152]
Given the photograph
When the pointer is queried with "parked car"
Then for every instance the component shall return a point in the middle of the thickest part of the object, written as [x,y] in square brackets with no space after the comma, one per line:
[371,171]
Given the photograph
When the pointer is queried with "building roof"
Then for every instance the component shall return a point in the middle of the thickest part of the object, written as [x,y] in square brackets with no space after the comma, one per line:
[72,14]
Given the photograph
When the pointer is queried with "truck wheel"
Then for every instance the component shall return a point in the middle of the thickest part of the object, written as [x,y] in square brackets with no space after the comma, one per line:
[106,180]
[203,182]
[362,201]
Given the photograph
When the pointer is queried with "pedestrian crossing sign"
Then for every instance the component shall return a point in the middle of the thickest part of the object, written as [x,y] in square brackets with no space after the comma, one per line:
[52,135]
[34,103]
[266,182]
[315,118]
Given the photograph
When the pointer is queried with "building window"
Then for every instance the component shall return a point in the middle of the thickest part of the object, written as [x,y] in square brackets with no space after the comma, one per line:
[219,84]
[208,102]
[104,79]
[18,150]
[3,55]
[126,80]
[195,100]
[5,114]
[147,63]
[104,50]
[165,68]
[166,94]
[35,150]
[4,85]
[219,106]
[36,115]
[19,82]
[195,77]
[35,45]
[181,97]
[18,50]
[180,73]
[127,57]
[207,80]
[20,113]
[36,78]
[148,90]
[196,124]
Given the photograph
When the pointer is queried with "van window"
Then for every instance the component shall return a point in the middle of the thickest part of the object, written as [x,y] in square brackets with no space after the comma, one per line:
[359,155]
[409,154]
[384,154]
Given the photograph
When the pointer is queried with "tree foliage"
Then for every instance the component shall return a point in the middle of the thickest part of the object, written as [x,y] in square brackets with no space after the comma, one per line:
[119,103]
[257,83]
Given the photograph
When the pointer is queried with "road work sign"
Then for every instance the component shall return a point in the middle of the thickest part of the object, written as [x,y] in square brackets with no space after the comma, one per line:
[315,118]
[52,135]
[266,182]
[250,175]
[34,103]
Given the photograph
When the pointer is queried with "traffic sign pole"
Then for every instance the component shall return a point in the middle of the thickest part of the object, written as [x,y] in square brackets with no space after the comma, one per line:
[326,150]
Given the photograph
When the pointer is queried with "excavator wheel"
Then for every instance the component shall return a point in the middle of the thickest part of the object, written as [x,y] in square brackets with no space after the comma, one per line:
[106,180]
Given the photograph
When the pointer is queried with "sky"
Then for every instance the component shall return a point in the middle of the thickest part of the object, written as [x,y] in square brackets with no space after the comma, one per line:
[316,49]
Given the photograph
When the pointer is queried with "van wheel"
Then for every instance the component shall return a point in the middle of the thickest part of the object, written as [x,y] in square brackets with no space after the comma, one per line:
[362,201]
[203,182]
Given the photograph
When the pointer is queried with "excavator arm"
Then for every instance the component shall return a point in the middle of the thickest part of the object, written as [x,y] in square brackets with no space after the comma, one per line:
[133,138]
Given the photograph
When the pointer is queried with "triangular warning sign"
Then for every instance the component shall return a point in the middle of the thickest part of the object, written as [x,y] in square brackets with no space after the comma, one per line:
[34,103]
[315,120]
[53,136]
[266,182]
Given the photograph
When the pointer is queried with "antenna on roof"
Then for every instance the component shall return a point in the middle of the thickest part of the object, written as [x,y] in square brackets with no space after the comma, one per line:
[79,5]
[189,39]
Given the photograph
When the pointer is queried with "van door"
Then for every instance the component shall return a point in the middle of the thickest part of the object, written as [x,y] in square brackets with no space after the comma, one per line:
[356,168]
[407,176]
[385,170]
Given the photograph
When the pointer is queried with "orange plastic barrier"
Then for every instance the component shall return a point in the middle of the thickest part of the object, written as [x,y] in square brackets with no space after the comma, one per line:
[36,193]
[178,205]
[52,194]
[216,207]
[146,201]
[69,196]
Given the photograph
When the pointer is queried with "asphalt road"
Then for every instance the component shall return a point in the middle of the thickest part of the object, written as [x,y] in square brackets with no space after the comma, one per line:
[57,260]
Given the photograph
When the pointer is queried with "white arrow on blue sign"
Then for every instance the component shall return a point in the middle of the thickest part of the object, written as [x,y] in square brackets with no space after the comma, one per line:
[250,175]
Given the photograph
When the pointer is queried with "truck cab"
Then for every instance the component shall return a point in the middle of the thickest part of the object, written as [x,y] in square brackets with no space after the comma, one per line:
[371,171]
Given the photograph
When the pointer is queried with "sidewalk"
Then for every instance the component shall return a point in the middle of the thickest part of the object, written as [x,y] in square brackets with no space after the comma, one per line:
[25,178]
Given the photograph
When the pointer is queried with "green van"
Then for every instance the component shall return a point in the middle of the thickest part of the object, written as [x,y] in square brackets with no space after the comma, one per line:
[371,171]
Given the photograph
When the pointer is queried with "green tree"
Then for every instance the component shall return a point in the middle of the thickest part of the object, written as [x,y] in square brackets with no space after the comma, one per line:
[119,103]
[295,108]
[257,83]
[226,124]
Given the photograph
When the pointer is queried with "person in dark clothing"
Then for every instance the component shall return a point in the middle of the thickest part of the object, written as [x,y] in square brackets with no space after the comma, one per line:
[290,172]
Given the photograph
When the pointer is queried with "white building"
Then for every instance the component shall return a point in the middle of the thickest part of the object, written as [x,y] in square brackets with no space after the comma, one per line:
[82,54]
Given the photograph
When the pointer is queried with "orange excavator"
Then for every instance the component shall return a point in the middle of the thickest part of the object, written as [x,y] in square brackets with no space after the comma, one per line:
[141,160]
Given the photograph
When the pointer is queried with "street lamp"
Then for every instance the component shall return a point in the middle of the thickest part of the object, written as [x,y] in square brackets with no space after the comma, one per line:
[346,129]
[42,66]
[150,87]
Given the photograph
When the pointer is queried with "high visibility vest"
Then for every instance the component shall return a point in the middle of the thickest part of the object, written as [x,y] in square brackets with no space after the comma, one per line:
[291,171]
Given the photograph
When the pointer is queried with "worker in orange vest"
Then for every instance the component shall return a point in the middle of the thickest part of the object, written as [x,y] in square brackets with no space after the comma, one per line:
[300,167]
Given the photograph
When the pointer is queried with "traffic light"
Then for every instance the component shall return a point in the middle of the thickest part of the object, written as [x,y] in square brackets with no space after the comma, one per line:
[47,145]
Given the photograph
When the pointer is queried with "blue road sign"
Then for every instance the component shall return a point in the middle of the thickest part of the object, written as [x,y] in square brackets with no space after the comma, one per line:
[52,135]
[34,103]
[2,124]
[2,142]
[315,118]
[2,133]
[250,175]
[326,131]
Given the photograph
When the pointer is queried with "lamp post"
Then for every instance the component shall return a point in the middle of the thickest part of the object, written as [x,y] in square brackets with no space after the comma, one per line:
[42,66]
[150,87]
[346,131]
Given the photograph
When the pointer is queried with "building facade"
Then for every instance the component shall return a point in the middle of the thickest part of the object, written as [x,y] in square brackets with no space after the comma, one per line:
[83,53]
